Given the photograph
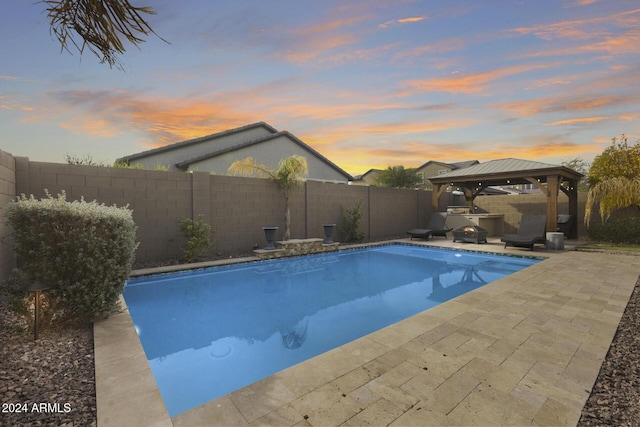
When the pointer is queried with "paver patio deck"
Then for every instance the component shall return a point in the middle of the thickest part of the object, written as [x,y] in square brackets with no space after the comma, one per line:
[524,350]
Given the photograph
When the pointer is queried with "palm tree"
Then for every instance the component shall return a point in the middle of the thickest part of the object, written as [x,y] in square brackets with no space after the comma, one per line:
[287,176]
[101,25]
[612,194]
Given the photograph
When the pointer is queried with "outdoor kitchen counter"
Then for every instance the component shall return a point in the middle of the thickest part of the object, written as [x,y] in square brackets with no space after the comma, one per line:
[492,222]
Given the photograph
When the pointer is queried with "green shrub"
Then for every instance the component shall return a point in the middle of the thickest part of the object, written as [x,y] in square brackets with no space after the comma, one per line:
[198,235]
[351,223]
[125,165]
[617,229]
[82,250]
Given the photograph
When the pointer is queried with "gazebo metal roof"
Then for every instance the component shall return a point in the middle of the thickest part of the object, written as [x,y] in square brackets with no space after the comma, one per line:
[549,178]
[503,170]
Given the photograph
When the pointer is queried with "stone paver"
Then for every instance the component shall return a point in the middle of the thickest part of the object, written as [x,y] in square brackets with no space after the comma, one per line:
[524,350]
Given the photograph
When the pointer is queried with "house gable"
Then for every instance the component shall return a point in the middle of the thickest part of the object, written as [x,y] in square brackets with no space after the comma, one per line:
[216,152]
[171,154]
[269,150]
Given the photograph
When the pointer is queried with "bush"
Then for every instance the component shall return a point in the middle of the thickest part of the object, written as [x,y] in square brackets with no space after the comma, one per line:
[351,223]
[82,250]
[198,233]
[617,229]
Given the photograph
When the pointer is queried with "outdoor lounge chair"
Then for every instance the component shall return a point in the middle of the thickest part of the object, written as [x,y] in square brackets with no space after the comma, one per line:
[532,230]
[435,227]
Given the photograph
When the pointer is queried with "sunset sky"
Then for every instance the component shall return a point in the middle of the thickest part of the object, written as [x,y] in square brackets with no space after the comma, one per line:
[369,84]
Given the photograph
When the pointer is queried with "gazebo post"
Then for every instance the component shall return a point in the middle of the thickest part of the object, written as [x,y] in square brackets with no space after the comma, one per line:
[437,190]
[469,197]
[572,193]
[552,202]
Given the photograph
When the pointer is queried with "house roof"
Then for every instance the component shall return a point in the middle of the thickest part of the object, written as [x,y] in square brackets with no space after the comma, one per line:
[501,169]
[370,171]
[195,141]
[465,164]
[274,133]
[453,166]
[186,163]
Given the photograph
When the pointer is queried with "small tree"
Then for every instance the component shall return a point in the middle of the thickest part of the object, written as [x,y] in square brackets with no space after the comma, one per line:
[351,223]
[398,177]
[618,160]
[287,177]
[581,166]
[198,234]
[86,160]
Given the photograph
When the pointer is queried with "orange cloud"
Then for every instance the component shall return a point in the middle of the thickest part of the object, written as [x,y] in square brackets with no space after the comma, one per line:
[584,2]
[470,83]
[160,121]
[310,43]
[317,47]
[627,43]
[322,28]
[409,20]
[550,105]
[351,134]
[97,128]
[361,54]
[581,120]
[357,159]
[594,29]
[11,102]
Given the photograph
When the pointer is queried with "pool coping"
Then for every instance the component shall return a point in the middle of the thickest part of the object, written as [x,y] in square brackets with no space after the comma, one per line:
[379,376]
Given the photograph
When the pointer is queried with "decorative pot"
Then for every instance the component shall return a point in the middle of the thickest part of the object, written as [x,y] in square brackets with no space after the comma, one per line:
[328,232]
[270,234]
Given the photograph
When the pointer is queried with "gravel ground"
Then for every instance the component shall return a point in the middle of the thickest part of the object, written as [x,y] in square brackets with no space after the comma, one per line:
[51,381]
[615,397]
[48,382]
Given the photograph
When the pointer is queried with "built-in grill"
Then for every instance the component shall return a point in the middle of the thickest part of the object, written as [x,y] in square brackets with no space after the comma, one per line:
[458,209]
[470,234]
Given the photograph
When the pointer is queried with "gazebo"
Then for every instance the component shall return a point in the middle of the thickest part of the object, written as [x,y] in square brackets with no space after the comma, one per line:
[550,179]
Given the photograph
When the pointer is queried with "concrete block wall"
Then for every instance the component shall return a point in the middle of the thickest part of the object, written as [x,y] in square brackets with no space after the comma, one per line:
[237,208]
[513,207]
[240,207]
[325,202]
[156,198]
[7,194]
[394,211]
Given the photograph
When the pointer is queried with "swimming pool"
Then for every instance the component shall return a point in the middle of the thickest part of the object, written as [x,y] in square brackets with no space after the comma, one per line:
[209,332]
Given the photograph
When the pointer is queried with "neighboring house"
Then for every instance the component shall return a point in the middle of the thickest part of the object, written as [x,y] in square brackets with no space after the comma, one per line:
[430,168]
[367,178]
[215,153]
[433,168]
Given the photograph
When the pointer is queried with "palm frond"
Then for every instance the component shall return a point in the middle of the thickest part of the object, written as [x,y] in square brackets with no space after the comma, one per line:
[611,194]
[249,167]
[100,24]
[290,170]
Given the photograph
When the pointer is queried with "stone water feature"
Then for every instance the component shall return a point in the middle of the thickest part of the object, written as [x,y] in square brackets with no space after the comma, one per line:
[295,247]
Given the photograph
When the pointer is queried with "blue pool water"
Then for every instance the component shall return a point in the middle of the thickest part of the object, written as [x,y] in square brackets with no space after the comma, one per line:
[209,332]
